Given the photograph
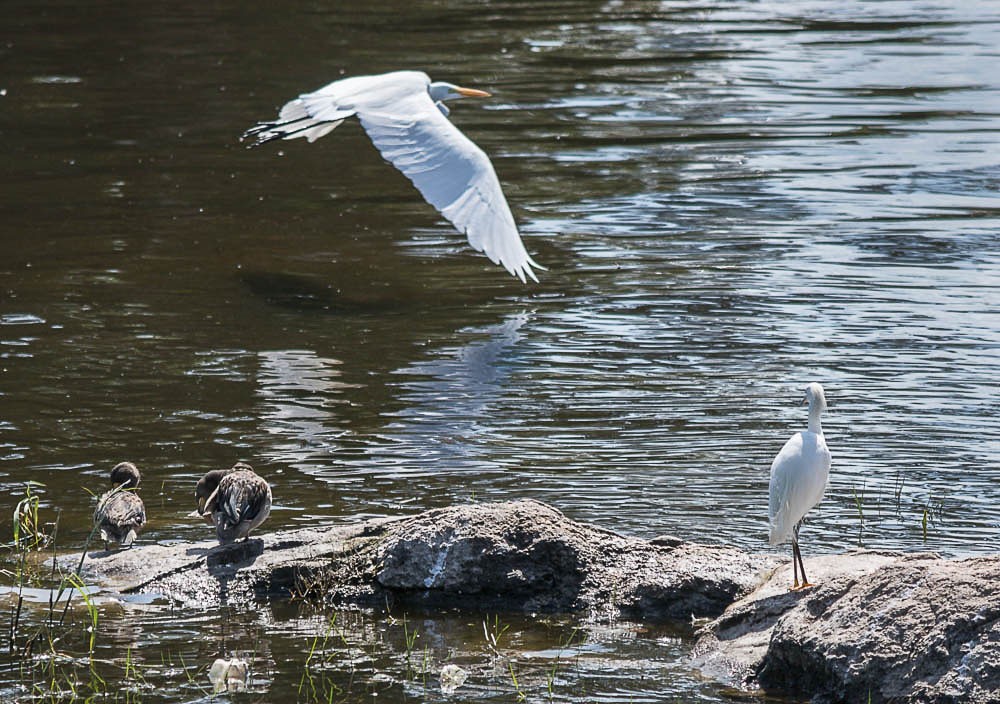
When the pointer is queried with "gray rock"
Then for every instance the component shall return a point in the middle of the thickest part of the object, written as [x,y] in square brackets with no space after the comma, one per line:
[528,554]
[518,555]
[879,627]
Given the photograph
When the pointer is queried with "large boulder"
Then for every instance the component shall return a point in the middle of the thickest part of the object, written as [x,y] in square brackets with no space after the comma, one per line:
[517,555]
[879,627]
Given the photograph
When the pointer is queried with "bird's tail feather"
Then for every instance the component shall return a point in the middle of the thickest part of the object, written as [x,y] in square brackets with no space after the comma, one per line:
[296,120]
[264,132]
[777,531]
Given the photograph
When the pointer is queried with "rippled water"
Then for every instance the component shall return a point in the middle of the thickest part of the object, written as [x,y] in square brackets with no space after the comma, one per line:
[732,199]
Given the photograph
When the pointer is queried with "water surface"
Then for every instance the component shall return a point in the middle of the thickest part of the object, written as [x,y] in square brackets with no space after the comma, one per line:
[732,200]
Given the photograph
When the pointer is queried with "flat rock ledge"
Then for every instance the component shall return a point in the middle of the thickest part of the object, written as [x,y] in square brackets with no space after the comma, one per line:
[511,556]
[878,627]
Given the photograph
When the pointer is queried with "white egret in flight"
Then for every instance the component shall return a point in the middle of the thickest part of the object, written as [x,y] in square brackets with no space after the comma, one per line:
[405,116]
[798,480]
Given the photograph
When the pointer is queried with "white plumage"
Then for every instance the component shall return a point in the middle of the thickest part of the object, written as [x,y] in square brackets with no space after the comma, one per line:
[405,116]
[798,480]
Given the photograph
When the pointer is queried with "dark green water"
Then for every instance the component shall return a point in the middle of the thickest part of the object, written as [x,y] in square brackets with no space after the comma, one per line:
[732,199]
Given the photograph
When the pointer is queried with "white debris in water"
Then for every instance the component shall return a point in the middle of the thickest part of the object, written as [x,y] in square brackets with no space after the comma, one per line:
[229,675]
[452,677]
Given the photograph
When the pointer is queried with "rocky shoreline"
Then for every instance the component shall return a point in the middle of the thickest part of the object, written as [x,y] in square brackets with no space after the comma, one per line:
[879,627]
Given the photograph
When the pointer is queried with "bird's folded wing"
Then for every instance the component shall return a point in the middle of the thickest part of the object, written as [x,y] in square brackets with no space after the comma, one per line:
[236,505]
[124,507]
[797,484]
[136,513]
[452,174]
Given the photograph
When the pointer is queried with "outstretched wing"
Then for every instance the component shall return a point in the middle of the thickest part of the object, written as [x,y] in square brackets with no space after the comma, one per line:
[415,136]
[452,174]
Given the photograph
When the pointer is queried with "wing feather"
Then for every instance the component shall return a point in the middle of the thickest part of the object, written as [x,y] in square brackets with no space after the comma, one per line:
[414,135]
[798,481]
[451,173]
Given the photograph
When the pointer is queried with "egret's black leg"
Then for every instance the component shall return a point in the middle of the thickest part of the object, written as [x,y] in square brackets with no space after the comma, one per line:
[797,555]
[802,569]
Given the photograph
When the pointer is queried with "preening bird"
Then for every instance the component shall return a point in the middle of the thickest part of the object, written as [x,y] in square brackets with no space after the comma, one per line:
[235,501]
[405,115]
[798,479]
[120,513]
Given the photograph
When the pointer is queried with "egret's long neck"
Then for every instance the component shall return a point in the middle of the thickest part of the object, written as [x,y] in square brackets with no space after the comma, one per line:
[815,409]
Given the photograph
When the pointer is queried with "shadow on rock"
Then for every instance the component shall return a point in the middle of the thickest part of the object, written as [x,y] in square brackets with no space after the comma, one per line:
[238,554]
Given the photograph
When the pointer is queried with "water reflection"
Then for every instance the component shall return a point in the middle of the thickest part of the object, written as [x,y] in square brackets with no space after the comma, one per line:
[449,401]
[439,433]
[299,392]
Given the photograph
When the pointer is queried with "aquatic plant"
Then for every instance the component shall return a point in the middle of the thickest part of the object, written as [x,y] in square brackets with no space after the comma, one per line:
[46,669]
[76,583]
[314,685]
[858,505]
[27,536]
[410,636]
[521,696]
[493,632]
[897,490]
[550,674]
[28,531]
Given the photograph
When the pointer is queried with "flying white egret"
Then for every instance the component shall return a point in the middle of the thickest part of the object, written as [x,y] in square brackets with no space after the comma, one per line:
[405,116]
[798,480]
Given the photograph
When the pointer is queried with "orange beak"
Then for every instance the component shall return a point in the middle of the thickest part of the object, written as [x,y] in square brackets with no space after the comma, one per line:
[473,93]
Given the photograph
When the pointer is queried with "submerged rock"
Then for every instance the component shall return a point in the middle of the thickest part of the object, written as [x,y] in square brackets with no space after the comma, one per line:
[517,555]
[879,627]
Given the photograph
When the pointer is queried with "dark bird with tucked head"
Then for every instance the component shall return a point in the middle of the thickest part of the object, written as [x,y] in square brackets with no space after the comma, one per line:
[235,501]
[120,513]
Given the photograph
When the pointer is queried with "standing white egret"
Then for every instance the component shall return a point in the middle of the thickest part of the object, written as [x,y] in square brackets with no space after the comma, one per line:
[405,116]
[798,480]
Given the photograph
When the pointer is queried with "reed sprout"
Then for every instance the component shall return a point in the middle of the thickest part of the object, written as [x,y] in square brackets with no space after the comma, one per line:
[859,507]
[493,632]
[521,695]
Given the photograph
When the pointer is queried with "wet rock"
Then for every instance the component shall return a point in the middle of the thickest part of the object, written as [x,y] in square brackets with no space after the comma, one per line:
[879,627]
[524,552]
[485,554]
[518,555]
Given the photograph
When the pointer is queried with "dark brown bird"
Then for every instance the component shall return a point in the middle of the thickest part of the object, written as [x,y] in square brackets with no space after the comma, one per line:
[235,501]
[120,513]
